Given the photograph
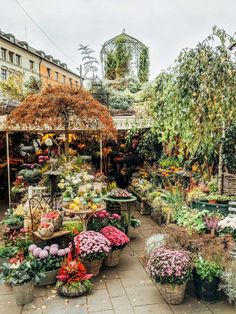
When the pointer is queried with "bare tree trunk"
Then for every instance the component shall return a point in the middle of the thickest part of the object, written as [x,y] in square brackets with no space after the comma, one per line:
[221,164]
[67,139]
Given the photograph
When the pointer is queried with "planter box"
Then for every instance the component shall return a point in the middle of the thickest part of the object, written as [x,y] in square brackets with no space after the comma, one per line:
[49,279]
[221,208]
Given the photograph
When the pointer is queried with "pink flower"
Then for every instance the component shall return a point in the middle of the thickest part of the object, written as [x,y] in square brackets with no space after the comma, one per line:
[43,254]
[61,252]
[53,250]
[116,216]
[32,247]
[36,252]
[115,236]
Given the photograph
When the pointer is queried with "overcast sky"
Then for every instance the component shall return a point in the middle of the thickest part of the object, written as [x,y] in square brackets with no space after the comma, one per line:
[165,26]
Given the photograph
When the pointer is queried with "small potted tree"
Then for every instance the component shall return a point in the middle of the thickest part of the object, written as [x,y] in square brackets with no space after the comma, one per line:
[92,247]
[118,240]
[171,269]
[21,274]
[207,274]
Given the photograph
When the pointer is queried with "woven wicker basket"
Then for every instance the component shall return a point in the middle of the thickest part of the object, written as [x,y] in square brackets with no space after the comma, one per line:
[93,267]
[113,258]
[229,184]
[172,294]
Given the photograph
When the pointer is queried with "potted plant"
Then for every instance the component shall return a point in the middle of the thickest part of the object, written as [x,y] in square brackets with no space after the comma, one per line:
[171,269]
[12,221]
[67,196]
[73,281]
[207,278]
[92,247]
[21,274]
[196,194]
[118,240]
[212,198]
[7,252]
[228,282]
[48,260]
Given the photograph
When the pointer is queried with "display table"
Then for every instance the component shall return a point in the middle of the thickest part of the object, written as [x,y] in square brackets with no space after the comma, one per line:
[85,215]
[62,236]
[127,201]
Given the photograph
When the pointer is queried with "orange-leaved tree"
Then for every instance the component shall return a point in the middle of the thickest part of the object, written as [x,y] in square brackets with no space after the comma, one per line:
[62,108]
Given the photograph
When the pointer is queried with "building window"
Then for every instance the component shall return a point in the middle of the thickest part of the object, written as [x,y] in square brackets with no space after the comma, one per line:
[48,72]
[3,54]
[56,76]
[31,63]
[64,79]
[11,56]
[4,74]
[18,59]
[76,83]
[70,81]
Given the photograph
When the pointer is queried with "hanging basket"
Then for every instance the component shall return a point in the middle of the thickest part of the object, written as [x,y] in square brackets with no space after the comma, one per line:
[113,258]
[93,266]
[172,294]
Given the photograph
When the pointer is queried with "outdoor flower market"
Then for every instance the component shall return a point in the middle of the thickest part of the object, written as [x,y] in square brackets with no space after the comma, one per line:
[118,195]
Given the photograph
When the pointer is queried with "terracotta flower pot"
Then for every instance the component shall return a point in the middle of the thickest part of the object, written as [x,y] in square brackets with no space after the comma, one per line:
[212,201]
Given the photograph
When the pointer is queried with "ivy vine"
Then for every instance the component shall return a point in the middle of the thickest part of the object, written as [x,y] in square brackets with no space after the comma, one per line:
[143,72]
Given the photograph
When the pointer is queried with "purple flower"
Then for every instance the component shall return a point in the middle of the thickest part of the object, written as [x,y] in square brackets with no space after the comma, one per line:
[67,250]
[36,252]
[47,248]
[55,245]
[43,254]
[32,247]
[61,252]
[53,250]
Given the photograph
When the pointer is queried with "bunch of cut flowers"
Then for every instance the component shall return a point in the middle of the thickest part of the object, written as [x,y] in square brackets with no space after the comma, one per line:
[117,238]
[169,266]
[73,280]
[49,258]
[92,245]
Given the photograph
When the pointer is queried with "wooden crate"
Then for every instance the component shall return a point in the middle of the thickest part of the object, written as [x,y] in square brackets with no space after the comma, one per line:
[229,184]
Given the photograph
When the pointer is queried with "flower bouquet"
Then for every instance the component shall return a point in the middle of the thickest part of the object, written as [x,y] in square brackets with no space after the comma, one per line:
[171,269]
[55,217]
[92,247]
[48,260]
[73,280]
[118,240]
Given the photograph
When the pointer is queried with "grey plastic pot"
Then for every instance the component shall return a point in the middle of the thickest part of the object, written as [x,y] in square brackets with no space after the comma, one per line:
[24,293]
[49,279]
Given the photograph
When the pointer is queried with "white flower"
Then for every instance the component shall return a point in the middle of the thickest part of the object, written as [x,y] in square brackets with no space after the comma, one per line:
[48,142]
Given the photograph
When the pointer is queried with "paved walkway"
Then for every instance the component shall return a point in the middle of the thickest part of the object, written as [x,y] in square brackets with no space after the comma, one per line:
[123,289]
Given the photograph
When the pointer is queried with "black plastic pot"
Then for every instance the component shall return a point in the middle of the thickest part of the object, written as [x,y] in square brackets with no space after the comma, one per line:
[206,291]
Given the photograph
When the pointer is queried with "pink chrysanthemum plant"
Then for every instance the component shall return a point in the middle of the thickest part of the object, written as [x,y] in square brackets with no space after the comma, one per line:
[92,245]
[117,238]
[170,266]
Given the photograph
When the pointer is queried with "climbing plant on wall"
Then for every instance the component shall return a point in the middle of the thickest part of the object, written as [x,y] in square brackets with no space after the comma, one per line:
[143,72]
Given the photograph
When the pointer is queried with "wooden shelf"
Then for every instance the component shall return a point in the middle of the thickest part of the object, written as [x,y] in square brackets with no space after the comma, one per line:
[57,234]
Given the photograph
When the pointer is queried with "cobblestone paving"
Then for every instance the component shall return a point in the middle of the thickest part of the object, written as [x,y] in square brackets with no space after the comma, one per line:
[123,289]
